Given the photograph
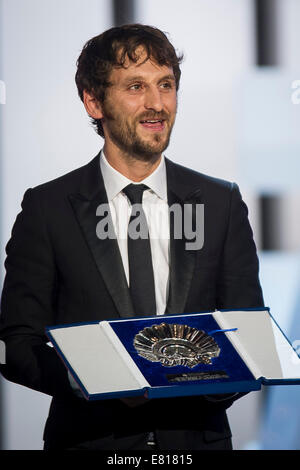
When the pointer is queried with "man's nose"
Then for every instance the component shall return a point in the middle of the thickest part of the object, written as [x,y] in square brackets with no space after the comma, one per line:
[153,99]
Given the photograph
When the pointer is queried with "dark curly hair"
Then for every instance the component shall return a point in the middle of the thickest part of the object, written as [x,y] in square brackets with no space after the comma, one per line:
[111,48]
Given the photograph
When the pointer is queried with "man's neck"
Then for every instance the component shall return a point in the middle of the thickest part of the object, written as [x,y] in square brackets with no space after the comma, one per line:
[130,166]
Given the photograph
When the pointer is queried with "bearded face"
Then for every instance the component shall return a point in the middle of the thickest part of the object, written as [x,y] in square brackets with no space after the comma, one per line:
[139,109]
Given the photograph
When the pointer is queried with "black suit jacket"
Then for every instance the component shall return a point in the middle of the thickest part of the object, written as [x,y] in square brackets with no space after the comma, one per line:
[59,272]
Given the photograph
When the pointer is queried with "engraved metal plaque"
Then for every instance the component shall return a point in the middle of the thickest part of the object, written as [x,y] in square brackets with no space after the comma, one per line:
[174,345]
[196,376]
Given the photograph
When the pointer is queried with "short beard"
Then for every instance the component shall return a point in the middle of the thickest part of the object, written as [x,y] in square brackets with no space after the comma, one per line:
[126,139]
[136,147]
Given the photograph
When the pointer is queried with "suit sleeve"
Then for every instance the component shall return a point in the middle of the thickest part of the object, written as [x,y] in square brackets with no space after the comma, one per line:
[28,304]
[238,280]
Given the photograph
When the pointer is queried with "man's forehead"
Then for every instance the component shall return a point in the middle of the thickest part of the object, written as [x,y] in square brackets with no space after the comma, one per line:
[140,57]
[145,65]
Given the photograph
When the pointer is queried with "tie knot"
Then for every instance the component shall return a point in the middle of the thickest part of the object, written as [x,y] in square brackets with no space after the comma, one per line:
[134,192]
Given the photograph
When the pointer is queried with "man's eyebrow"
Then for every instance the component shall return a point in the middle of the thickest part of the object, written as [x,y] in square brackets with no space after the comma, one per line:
[141,78]
[168,77]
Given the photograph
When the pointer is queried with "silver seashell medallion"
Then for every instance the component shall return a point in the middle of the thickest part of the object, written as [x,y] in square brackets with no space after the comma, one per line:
[176,345]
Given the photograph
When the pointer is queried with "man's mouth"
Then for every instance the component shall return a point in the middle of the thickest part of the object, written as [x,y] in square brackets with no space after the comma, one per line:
[153,124]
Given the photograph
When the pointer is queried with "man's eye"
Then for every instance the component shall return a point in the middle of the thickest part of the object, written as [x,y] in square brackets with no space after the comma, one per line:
[167,85]
[135,86]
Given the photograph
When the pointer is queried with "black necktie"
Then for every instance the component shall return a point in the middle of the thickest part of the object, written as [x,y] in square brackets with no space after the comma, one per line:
[141,278]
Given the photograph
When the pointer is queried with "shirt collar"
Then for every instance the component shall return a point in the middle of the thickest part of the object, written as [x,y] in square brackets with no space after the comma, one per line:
[115,182]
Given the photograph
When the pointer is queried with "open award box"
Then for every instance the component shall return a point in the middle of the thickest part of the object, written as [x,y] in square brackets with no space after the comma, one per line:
[176,355]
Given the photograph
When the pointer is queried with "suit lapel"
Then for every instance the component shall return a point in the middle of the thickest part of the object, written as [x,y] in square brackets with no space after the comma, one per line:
[105,252]
[182,261]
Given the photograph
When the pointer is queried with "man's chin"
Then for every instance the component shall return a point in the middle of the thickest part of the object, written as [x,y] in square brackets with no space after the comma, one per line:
[139,147]
[148,153]
[149,150]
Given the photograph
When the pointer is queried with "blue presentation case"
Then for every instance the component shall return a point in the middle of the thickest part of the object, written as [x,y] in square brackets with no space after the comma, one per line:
[104,363]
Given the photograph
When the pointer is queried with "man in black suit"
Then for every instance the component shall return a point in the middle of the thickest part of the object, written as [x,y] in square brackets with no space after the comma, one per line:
[60,269]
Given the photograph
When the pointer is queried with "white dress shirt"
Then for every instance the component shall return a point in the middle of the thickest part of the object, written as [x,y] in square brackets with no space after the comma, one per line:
[155,205]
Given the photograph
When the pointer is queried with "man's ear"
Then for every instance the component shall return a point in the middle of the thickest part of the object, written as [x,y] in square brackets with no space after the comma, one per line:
[92,106]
